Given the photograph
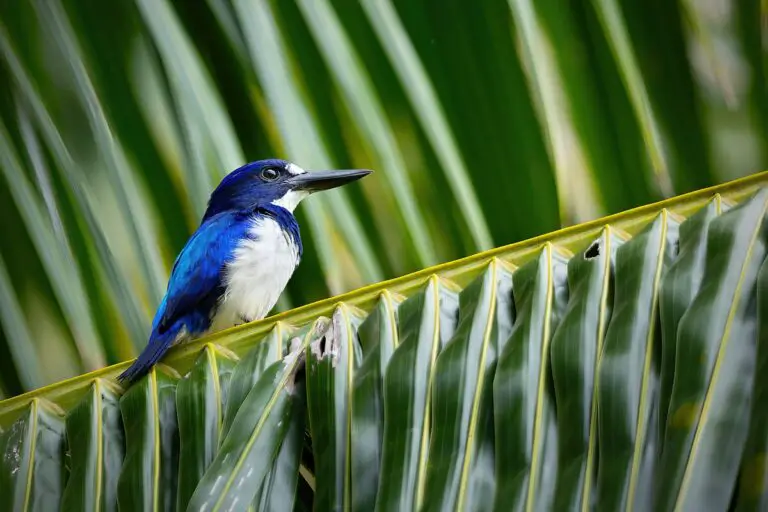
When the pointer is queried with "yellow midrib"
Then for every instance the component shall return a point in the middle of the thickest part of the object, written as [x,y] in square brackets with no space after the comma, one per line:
[348,430]
[478,389]
[532,481]
[99,445]
[210,353]
[587,489]
[426,426]
[642,423]
[34,409]
[156,422]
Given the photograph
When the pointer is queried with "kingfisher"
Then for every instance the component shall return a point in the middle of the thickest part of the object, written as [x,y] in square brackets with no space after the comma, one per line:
[236,264]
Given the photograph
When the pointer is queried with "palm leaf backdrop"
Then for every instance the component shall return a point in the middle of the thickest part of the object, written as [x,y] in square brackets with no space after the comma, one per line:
[615,365]
[486,125]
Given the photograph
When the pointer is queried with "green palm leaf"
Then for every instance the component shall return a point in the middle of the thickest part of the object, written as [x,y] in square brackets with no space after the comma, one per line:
[621,370]
[524,376]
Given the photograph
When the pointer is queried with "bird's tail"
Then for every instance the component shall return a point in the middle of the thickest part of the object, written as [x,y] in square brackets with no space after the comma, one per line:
[157,346]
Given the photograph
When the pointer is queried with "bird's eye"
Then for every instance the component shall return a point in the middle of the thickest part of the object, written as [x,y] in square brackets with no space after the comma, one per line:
[270,174]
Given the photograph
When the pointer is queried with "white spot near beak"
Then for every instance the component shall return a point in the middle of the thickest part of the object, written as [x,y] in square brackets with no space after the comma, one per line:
[291,199]
[294,169]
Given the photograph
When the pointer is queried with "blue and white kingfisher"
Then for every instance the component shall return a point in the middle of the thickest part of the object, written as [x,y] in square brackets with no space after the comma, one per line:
[235,266]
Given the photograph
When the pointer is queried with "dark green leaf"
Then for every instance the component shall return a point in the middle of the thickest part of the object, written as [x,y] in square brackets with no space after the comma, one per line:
[709,410]
[423,98]
[678,289]
[149,476]
[200,399]
[278,492]
[612,20]
[461,469]
[65,280]
[32,471]
[244,378]
[250,368]
[576,346]
[330,216]
[368,114]
[142,233]
[627,384]
[427,321]
[96,445]
[378,340]
[331,363]
[523,401]
[260,426]
[753,481]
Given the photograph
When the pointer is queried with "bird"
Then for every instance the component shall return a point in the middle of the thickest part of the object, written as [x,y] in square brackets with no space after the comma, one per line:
[234,267]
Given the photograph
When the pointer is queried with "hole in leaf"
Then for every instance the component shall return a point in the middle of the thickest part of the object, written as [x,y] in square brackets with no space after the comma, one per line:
[593,251]
[322,345]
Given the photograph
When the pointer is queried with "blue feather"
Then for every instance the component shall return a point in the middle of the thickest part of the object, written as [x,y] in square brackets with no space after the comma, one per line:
[197,282]
[194,289]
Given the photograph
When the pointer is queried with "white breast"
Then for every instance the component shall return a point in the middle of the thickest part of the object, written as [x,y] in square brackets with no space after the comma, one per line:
[258,273]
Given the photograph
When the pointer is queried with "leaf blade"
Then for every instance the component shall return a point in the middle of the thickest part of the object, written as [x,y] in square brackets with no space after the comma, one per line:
[427,321]
[461,463]
[526,442]
[709,408]
[237,472]
[575,349]
[148,478]
[95,437]
[627,376]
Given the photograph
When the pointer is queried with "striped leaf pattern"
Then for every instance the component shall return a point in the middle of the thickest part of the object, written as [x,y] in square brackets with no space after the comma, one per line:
[485,125]
[96,445]
[615,365]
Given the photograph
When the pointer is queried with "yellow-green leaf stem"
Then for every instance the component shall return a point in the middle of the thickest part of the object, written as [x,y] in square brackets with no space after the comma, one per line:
[241,339]
[266,452]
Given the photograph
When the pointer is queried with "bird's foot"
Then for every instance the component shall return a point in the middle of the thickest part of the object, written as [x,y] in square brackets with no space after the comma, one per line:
[243,320]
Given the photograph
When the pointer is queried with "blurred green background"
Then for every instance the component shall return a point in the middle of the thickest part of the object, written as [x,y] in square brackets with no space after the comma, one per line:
[487,122]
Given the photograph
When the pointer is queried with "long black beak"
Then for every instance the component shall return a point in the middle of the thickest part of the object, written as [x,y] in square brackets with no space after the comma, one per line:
[313,181]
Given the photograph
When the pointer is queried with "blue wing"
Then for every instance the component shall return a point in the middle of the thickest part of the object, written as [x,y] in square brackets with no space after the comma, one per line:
[195,286]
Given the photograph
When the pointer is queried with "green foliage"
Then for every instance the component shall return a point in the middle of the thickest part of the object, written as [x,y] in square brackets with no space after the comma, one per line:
[486,125]
[528,377]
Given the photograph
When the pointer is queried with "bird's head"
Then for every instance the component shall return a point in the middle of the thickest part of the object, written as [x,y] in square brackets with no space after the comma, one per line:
[277,182]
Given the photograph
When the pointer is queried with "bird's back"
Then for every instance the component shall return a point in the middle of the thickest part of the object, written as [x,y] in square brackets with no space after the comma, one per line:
[236,265]
[232,270]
